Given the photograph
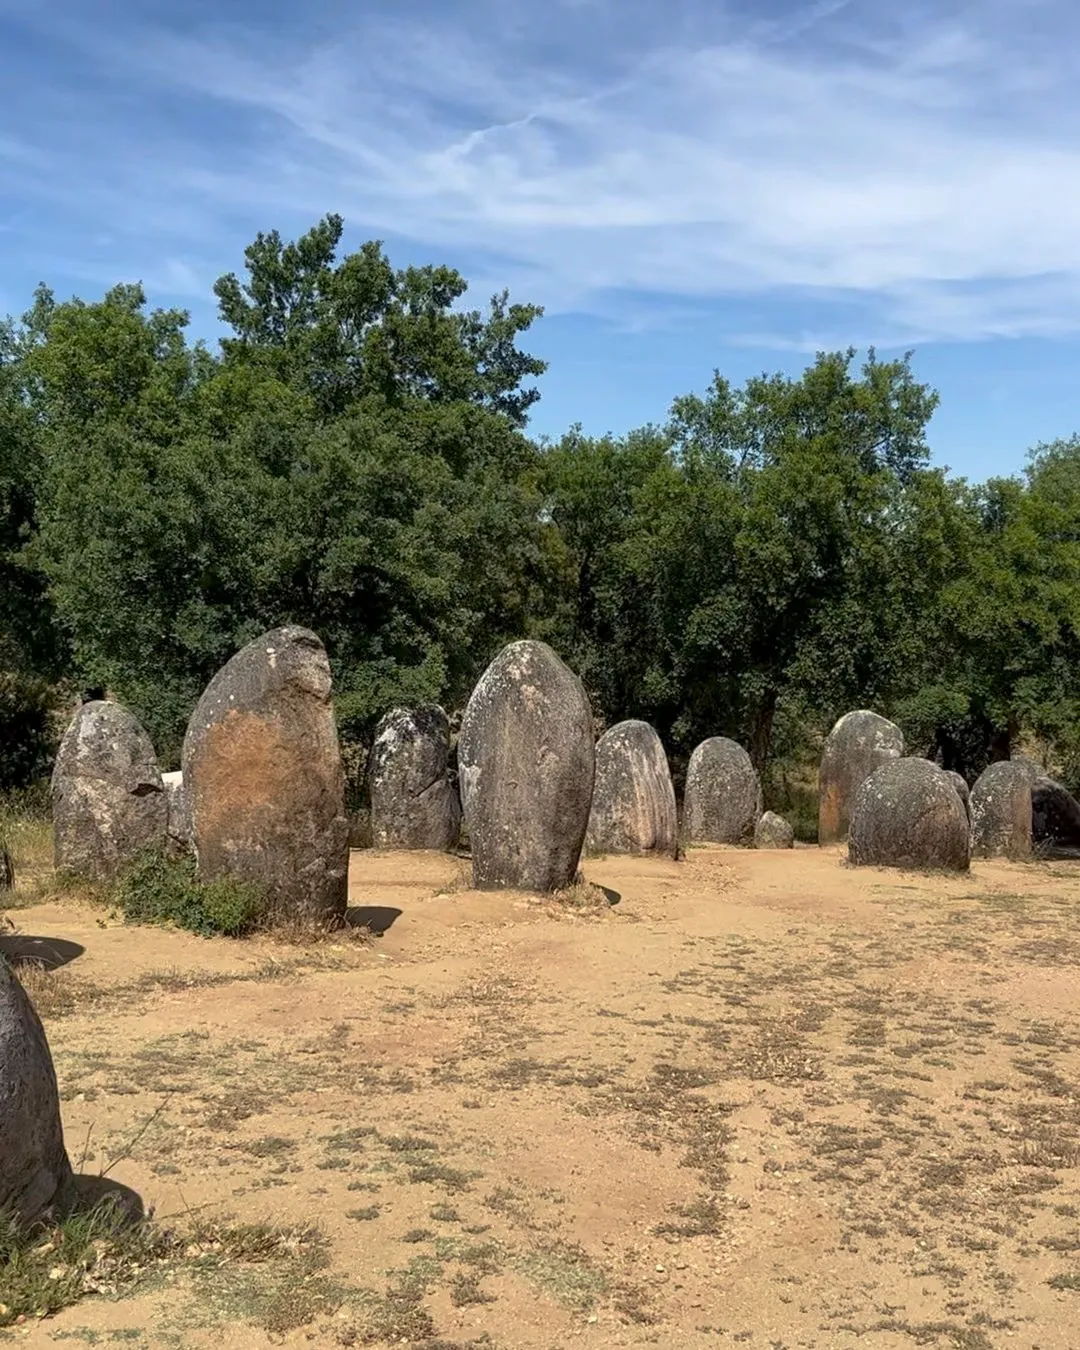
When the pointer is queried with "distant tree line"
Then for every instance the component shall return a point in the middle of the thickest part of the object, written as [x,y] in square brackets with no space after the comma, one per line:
[355,458]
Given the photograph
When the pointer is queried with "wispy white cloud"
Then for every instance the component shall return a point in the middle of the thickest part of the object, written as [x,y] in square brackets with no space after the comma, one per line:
[925,172]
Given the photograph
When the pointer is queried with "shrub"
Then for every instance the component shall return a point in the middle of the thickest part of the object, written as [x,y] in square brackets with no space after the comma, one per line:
[166,890]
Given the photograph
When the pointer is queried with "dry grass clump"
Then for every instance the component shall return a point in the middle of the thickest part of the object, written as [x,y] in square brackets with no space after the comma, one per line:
[581,898]
[264,1270]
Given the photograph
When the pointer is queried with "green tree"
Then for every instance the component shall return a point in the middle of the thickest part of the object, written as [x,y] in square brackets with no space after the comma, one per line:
[754,552]
[342,331]
[31,651]
[1003,638]
[190,502]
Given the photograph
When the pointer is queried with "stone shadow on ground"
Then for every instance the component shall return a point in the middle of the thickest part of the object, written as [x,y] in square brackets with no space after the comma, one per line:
[91,1192]
[377,918]
[49,953]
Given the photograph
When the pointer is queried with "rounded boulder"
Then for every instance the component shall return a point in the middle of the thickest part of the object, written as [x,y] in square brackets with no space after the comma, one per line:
[722,802]
[960,783]
[633,803]
[35,1174]
[857,745]
[773,831]
[908,814]
[526,763]
[1000,807]
[1055,815]
[413,802]
[108,800]
[264,780]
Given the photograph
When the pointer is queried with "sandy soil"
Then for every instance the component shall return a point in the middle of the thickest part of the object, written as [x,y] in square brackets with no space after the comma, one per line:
[760,1099]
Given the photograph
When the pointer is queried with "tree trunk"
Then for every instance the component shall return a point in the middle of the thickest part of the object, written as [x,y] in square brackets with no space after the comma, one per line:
[761,732]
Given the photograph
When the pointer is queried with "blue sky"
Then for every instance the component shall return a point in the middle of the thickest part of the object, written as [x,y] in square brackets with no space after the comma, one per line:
[683,185]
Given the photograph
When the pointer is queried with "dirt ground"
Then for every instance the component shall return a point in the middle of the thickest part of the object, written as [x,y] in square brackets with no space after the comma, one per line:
[756,1099]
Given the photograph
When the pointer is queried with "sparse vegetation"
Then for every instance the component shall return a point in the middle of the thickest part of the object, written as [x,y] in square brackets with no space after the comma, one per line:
[823,1083]
[105,1252]
[45,1269]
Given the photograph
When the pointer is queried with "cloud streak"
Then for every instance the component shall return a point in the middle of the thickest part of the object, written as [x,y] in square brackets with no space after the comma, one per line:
[923,175]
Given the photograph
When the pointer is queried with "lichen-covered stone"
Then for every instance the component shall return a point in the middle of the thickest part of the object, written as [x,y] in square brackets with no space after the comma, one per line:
[35,1174]
[413,803]
[960,783]
[108,799]
[264,780]
[908,814]
[773,831]
[526,762]
[633,804]
[857,745]
[722,802]
[1055,815]
[179,817]
[1000,807]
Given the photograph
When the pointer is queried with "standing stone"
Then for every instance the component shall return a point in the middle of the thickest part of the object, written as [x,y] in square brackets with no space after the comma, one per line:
[108,800]
[1001,810]
[773,831]
[526,762]
[413,802]
[633,805]
[35,1174]
[264,780]
[179,818]
[856,746]
[1055,815]
[908,814]
[960,783]
[722,803]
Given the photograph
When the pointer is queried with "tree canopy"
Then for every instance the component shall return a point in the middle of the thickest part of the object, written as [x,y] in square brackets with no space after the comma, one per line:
[354,456]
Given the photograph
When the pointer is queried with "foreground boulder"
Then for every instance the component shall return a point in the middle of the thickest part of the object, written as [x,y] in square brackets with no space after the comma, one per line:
[633,804]
[1000,808]
[35,1174]
[908,814]
[859,743]
[1055,815]
[526,763]
[413,802]
[264,780]
[773,831]
[722,802]
[179,817]
[108,800]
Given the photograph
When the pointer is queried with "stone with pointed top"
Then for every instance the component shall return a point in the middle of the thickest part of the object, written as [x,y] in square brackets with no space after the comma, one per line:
[526,763]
